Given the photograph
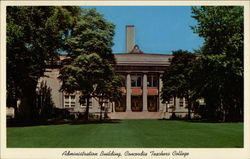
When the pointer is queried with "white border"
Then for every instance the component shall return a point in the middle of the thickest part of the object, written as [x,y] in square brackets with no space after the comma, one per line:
[229,153]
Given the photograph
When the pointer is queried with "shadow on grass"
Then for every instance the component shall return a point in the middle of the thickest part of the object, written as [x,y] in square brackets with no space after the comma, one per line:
[198,121]
[185,120]
[110,121]
[16,123]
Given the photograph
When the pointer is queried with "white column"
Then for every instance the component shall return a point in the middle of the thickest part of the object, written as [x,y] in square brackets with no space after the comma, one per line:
[95,105]
[184,103]
[145,93]
[128,93]
[161,105]
[113,106]
[177,104]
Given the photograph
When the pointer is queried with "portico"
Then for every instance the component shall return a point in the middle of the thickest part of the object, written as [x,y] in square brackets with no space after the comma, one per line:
[141,91]
[141,73]
[142,80]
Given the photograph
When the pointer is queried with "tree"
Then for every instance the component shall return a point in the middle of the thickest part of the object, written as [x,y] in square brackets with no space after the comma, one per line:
[44,104]
[108,90]
[218,76]
[91,34]
[177,78]
[34,35]
[89,74]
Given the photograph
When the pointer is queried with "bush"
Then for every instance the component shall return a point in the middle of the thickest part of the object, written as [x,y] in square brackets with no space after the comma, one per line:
[196,117]
[60,113]
[173,116]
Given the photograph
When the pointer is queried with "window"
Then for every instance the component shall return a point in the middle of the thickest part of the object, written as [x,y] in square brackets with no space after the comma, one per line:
[171,101]
[186,103]
[105,104]
[84,104]
[136,80]
[152,80]
[181,102]
[69,100]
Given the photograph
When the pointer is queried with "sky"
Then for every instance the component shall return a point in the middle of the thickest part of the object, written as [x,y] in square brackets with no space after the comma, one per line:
[158,29]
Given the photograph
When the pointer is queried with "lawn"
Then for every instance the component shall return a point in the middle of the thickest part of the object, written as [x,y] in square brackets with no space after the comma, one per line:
[129,134]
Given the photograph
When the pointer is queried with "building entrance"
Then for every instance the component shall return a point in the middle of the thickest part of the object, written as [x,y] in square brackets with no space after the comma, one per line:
[136,103]
[120,106]
[153,103]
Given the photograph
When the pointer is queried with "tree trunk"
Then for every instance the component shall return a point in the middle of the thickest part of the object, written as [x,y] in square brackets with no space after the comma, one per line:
[101,111]
[223,115]
[174,105]
[241,112]
[189,107]
[112,104]
[28,112]
[25,110]
[223,110]
[241,109]
[87,109]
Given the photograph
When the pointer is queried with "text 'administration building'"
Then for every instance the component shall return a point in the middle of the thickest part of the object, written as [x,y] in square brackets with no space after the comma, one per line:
[141,86]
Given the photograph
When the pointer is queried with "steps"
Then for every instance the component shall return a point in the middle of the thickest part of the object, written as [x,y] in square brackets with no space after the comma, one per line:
[138,115]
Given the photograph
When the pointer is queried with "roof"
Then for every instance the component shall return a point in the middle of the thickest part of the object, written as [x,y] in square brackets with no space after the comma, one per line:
[136,57]
[142,59]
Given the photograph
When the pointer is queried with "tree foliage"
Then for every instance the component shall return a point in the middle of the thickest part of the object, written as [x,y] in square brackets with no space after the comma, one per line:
[108,91]
[89,48]
[222,29]
[37,34]
[34,34]
[92,76]
[218,73]
[91,34]
[177,77]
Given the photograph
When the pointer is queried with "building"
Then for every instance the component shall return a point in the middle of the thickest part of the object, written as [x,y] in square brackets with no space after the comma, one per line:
[141,86]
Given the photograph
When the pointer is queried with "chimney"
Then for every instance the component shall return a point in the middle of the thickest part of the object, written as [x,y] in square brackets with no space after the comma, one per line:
[130,38]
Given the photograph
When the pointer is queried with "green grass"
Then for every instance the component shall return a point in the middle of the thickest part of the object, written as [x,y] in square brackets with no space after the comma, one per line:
[129,134]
